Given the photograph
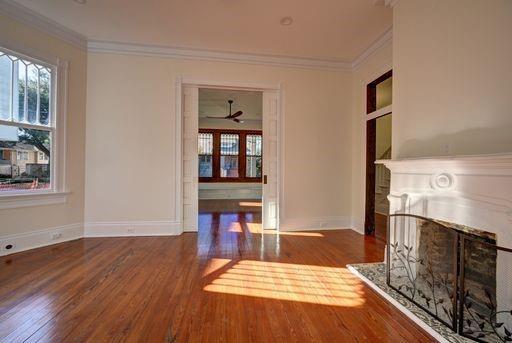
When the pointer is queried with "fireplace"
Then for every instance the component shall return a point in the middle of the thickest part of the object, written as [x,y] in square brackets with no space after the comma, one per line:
[450,271]
[450,241]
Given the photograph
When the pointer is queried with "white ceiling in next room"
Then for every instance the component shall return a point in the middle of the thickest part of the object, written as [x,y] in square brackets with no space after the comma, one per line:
[214,102]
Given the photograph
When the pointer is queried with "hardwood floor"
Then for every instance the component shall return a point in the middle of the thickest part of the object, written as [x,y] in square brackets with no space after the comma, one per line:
[229,205]
[228,283]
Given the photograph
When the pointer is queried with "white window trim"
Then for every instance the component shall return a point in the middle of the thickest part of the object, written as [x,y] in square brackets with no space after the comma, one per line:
[59,191]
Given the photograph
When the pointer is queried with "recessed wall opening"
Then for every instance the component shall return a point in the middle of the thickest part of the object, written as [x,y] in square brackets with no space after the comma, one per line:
[378,147]
[230,154]
[230,148]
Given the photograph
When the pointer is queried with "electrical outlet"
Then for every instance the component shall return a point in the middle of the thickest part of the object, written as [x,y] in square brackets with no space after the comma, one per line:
[323,224]
[56,235]
[8,246]
[130,230]
[447,148]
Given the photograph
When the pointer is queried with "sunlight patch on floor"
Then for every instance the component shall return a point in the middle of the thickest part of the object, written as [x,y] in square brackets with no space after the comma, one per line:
[249,203]
[215,264]
[235,227]
[255,228]
[292,282]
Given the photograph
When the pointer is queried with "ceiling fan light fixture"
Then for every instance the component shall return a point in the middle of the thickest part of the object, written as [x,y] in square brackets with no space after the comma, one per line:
[231,116]
[286,21]
[81,2]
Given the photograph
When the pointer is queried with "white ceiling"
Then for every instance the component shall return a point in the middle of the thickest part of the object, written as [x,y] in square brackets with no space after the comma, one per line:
[338,30]
[214,102]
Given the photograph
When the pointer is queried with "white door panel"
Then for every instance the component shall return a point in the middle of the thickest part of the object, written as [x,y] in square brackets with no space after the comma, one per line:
[270,208]
[190,158]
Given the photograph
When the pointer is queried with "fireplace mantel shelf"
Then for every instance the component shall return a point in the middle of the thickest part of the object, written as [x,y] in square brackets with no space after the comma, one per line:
[475,191]
[493,164]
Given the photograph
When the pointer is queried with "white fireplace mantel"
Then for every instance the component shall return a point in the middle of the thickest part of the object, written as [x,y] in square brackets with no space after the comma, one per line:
[472,190]
[496,164]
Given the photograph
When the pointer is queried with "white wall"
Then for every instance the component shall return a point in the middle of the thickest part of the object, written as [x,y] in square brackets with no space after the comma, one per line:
[29,219]
[230,190]
[376,65]
[452,77]
[130,111]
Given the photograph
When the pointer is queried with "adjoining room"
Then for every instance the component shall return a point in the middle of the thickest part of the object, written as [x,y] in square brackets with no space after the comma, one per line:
[230,148]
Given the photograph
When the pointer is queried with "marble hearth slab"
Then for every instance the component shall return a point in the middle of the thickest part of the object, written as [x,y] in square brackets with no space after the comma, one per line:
[374,275]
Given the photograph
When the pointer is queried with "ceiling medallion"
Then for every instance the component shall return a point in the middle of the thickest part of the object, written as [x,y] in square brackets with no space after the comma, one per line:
[286,21]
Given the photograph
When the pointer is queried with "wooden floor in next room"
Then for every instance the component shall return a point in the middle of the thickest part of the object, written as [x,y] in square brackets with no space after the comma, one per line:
[230,282]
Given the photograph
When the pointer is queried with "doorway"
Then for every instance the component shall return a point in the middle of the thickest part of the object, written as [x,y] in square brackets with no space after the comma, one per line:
[230,158]
[378,147]
[229,165]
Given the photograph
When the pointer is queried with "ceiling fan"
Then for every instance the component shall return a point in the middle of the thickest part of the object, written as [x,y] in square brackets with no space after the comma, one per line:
[230,116]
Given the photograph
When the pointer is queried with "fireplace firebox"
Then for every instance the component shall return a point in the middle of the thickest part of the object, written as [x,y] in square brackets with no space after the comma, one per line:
[451,271]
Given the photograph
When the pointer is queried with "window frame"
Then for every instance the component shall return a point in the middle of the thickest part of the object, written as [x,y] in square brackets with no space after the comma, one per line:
[253,155]
[57,193]
[242,150]
[199,155]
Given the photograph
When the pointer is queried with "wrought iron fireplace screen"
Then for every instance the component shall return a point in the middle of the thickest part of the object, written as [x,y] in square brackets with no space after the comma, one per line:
[452,275]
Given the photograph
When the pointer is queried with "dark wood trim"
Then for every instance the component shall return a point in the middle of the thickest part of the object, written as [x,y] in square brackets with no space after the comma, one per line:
[241,156]
[242,151]
[216,155]
[371,92]
[371,98]
[371,148]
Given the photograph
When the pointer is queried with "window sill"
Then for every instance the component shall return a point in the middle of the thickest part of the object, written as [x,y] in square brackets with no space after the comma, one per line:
[29,199]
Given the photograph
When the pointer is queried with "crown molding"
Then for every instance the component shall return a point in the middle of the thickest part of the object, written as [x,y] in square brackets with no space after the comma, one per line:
[385,3]
[383,40]
[99,46]
[31,18]
[391,3]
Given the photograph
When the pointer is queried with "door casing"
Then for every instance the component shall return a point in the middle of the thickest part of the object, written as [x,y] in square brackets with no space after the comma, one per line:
[181,83]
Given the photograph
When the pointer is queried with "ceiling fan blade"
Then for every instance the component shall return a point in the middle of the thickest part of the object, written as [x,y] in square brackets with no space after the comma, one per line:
[237,114]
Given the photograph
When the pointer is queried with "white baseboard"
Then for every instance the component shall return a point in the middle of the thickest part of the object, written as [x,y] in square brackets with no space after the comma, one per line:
[40,238]
[316,223]
[135,228]
[357,226]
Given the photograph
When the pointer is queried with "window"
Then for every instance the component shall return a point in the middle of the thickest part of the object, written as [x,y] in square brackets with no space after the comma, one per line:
[230,155]
[205,154]
[27,123]
[253,156]
[229,147]
[23,155]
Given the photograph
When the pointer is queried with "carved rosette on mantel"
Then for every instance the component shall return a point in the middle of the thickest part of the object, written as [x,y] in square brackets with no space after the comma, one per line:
[473,196]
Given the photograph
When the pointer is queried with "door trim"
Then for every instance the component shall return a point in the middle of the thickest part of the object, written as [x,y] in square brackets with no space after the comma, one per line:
[177,140]
[370,149]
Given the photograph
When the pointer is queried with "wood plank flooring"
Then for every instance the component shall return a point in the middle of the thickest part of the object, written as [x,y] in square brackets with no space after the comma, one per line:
[231,282]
